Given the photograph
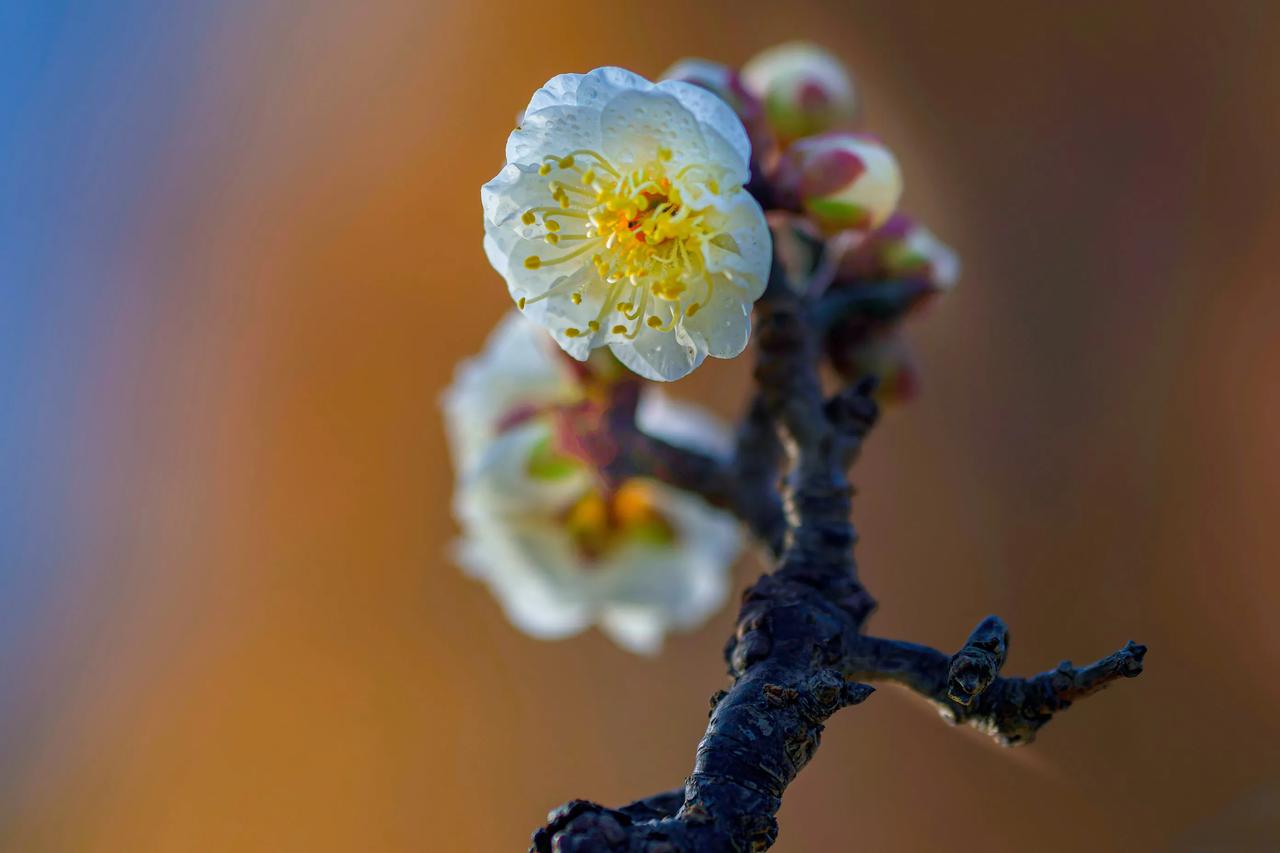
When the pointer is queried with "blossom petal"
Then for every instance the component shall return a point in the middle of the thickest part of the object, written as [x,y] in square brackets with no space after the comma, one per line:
[525,571]
[518,368]
[658,355]
[511,192]
[559,314]
[601,85]
[723,326]
[510,243]
[560,91]
[635,125]
[712,113]
[501,483]
[683,424]
[553,131]
[746,252]
[636,629]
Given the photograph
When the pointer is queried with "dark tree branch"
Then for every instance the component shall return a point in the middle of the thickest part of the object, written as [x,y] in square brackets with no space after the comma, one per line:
[877,302]
[798,653]
[757,464]
[1011,710]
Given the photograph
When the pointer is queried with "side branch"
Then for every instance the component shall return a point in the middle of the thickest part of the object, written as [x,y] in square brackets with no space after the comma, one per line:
[746,484]
[1012,710]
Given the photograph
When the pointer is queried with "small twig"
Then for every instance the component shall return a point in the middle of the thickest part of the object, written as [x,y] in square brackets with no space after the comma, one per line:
[1012,710]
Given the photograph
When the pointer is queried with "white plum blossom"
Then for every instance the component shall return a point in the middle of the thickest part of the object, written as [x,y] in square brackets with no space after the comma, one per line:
[558,551]
[620,220]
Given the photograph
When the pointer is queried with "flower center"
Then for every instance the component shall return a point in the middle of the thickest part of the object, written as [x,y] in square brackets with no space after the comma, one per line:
[643,229]
[599,523]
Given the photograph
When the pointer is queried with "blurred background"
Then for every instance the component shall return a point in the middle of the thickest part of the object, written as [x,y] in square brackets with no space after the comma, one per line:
[240,257]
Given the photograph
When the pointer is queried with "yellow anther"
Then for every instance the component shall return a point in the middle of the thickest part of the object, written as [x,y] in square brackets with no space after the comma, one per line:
[532,262]
[664,154]
[520,303]
[619,330]
[552,225]
[544,169]
[576,298]
[553,239]
[528,218]
[593,325]
[588,177]
[572,332]
[566,162]
[692,309]
[654,322]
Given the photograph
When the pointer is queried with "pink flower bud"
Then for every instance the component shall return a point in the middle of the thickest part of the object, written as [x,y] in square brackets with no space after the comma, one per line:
[805,90]
[902,248]
[843,180]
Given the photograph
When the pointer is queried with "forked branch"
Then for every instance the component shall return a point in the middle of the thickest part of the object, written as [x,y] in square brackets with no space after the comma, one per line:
[798,653]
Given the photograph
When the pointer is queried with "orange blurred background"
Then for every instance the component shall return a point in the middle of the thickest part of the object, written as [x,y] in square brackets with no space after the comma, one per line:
[245,259]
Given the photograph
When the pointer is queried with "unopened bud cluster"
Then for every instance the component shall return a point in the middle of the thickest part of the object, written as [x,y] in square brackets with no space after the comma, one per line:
[834,190]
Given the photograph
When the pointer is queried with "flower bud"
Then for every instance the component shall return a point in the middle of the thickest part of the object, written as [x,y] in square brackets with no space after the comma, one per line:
[884,355]
[903,249]
[805,90]
[843,180]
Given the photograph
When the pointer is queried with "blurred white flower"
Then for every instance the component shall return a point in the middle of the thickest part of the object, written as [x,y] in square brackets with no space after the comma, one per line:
[620,220]
[558,551]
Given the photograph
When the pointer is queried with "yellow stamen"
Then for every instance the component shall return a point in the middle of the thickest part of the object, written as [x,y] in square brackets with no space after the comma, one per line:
[644,229]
